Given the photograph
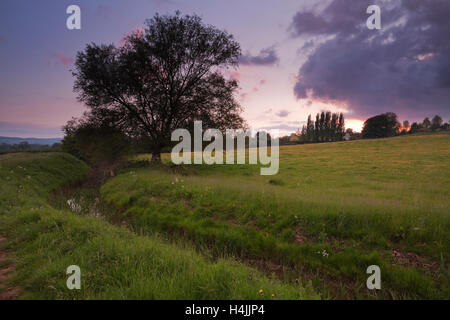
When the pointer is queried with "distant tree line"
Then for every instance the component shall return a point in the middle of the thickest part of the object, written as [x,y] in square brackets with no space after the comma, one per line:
[436,124]
[327,127]
[25,146]
[331,127]
[387,125]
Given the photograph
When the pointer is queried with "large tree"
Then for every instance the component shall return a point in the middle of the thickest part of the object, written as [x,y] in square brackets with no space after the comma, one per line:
[381,126]
[426,123]
[436,122]
[162,79]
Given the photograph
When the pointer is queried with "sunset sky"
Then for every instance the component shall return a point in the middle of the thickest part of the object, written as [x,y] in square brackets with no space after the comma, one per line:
[300,57]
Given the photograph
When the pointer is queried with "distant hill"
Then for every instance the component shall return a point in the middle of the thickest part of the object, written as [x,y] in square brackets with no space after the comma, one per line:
[34,141]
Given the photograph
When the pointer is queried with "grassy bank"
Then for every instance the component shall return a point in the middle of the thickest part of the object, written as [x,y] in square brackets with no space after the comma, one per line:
[114,261]
[333,210]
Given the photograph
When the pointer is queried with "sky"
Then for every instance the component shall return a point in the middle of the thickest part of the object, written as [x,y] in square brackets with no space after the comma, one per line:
[299,57]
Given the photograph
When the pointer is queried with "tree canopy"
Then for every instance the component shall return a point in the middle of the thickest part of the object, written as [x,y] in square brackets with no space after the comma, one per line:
[161,79]
[381,126]
[327,127]
[436,122]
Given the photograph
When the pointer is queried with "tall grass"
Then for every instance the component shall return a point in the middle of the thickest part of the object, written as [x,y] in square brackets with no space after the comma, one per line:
[383,202]
[115,262]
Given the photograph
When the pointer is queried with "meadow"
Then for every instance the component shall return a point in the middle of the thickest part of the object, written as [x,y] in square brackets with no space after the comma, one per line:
[333,210]
[40,241]
[225,231]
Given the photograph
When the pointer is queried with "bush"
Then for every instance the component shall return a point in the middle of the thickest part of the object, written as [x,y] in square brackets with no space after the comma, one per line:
[96,144]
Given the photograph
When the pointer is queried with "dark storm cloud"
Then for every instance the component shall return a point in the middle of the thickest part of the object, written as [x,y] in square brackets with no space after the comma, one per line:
[265,57]
[404,67]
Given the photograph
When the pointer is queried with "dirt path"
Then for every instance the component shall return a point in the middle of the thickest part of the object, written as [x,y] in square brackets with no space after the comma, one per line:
[7,292]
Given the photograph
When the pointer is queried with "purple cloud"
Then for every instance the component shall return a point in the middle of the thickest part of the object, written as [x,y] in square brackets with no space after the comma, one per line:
[283,113]
[265,57]
[404,67]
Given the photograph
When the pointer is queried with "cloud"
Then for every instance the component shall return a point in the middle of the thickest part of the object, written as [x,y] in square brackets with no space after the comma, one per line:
[337,18]
[404,67]
[266,57]
[282,127]
[306,46]
[64,59]
[283,113]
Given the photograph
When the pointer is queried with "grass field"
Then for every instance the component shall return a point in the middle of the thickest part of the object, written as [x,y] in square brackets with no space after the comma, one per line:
[115,262]
[224,231]
[333,210]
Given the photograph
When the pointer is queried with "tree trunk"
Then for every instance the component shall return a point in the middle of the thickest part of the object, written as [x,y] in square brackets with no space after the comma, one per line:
[156,156]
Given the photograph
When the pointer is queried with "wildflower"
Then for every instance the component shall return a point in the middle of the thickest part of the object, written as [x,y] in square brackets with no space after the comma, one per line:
[273,295]
[261,291]
[324,253]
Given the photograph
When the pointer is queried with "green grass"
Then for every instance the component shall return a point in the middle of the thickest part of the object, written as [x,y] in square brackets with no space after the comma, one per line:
[225,231]
[383,202]
[115,262]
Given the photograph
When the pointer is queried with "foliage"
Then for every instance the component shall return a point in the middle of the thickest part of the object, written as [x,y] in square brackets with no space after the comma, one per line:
[162,79]
[436,122]
[381,126]
[426,123]
[327,127]
[97,143]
